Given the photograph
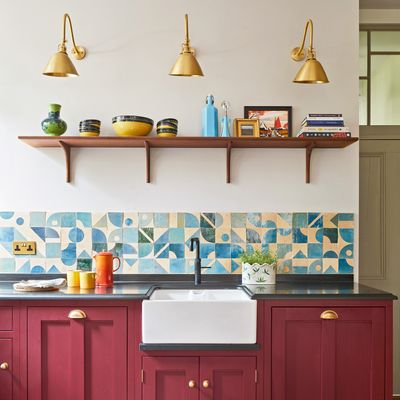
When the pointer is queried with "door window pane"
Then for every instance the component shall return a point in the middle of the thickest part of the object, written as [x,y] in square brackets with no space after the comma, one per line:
[363,53]
[362,101]
[385,90]
[385,41]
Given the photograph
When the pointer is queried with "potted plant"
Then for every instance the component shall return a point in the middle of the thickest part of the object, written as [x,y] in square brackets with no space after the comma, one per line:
[258,267]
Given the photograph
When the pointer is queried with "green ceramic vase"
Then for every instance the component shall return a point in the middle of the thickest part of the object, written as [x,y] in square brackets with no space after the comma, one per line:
[53,125]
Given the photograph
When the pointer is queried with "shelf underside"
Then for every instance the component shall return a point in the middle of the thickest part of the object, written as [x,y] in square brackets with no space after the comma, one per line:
[185,142]
[149,142]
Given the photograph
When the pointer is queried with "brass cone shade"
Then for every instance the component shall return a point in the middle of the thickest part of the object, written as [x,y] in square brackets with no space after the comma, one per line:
[60,65]
[186,65]
[311,72]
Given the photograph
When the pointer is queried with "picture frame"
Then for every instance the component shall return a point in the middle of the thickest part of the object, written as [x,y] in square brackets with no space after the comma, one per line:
[275,121]
[246,128]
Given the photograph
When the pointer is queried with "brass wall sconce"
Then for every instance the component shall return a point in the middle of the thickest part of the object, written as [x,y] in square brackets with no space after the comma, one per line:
[186,64]
[60,65]
[312,70]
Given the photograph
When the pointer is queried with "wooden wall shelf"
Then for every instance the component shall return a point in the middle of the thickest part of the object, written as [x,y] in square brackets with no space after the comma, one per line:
[149,142]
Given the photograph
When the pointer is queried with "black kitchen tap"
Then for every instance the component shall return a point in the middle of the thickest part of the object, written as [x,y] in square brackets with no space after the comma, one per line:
[197,261]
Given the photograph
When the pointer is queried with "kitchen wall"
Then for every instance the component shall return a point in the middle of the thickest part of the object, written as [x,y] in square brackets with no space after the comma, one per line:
[244,49]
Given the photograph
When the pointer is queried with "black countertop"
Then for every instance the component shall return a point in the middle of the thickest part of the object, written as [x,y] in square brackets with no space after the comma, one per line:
[138,289]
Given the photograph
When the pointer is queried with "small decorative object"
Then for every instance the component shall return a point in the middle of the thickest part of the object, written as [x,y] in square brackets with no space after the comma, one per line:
[312,70]
[167,127]
[60,65]
[210,118]
[186,64]
[274,121]
[90,127]
[258,267]
[246,128]
[53,125]
[225,120]
[132,125]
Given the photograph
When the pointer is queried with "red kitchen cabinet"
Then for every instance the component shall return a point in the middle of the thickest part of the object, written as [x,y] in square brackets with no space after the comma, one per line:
[170,378]
[6,369]
[223,378]
[199,378]
[77,354]
[342,358]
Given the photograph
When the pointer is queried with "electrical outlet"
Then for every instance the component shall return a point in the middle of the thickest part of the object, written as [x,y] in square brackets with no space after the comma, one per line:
[24,248]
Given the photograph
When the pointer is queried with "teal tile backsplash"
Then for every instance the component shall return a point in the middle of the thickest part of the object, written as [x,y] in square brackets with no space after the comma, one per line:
[147,243]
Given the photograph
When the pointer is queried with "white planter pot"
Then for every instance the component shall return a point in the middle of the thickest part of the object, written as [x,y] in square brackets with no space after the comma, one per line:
[256,274]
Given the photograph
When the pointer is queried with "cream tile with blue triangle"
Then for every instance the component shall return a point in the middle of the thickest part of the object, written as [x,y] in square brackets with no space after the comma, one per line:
[6,250]
[330,265]
[99,220]
[23,265]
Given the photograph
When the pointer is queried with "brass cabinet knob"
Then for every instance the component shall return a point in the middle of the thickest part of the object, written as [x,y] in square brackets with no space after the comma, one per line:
[192,384]
[329,314]
[77,314]
[4,365]
[206,384]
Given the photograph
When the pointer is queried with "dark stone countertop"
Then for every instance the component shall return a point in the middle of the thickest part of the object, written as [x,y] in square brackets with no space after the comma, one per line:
[139,289]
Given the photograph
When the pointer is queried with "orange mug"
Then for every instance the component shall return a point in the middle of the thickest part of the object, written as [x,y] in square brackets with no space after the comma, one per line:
[105,269]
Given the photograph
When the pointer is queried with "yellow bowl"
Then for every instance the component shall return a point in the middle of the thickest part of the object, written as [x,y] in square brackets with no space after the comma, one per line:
[90,133]
[132,128]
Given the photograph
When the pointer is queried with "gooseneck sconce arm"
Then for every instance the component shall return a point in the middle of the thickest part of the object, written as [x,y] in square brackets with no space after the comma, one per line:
[186,64]
[312,70]
[60,65]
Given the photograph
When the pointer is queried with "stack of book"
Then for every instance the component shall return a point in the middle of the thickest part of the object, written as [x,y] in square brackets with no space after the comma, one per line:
[324,125]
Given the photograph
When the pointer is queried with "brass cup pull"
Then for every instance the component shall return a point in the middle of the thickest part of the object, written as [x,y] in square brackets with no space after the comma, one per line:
[77,314]
[4,365]
[329,314]
[192,384]
[206,384]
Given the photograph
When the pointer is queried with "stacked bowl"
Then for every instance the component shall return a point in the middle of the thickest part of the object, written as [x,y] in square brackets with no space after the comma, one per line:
[90,127]
[132,125]
[167,127]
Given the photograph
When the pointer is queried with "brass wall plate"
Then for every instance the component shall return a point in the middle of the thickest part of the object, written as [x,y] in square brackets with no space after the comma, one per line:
[24,248]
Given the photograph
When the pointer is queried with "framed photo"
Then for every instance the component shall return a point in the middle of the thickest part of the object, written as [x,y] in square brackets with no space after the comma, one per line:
[246,128]
[274,121]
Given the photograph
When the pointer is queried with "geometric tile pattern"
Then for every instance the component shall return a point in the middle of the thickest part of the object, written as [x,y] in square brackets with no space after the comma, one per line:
[305,242]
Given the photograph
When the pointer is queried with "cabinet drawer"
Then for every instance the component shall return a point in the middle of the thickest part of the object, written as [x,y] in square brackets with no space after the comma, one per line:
[6,318]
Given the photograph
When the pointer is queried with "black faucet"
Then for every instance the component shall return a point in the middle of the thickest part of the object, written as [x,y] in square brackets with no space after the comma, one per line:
[197,261]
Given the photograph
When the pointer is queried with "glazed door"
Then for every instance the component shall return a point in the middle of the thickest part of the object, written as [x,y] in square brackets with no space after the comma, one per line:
[336,359]
[77,358]
[6,369]
[227,378]
[170,378]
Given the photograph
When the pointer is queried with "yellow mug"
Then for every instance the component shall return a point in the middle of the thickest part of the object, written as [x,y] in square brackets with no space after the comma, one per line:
[88,280]
[73,278]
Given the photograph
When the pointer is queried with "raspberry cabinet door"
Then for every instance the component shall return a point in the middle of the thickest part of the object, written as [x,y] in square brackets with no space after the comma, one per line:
[341,357]
[77,354]
[170,378]
[223,378]
[6,369]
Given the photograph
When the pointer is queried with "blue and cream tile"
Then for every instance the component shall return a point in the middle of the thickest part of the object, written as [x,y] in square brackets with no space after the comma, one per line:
[330,220]
[115,235]
[130,265]
[38,265]
[299,250]
[207,235]
[161,220]
[222,220]
[284,220]
[254,220]
[7,265]
[346,220]
[84,220]
[315,220]
[99,220]
[53,235]
[99,235]
[55,265]
[285,235]
[238,235]
[315,235]
[131,220]
[330,235]
[238,220]
[268,220]
[299,220]
[22,265]
[53,219]
[7,218]
[115,219]
[192,220]
[285,266]
[315,266]
[146,220]
[330,265]
[207,220]
[253,236]
[346,266]
[68,219]
[223,235]
[116,249]
[131,235]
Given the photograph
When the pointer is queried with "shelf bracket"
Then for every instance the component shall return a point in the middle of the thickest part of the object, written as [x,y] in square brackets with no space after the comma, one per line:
[309,150]
[67,154]
[147,147]
[228,162]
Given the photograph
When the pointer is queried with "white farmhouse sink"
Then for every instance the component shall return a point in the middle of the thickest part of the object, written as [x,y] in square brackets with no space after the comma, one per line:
[199,316]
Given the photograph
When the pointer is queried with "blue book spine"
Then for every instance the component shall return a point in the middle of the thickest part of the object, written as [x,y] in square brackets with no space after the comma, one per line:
[324,123]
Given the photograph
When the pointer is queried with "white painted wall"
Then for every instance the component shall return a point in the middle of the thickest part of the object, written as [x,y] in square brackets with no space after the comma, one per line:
[244,49]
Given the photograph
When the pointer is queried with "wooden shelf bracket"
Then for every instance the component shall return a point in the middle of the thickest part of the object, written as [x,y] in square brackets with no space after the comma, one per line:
[67,154]
[228,162]
[148,161]
[309,150]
